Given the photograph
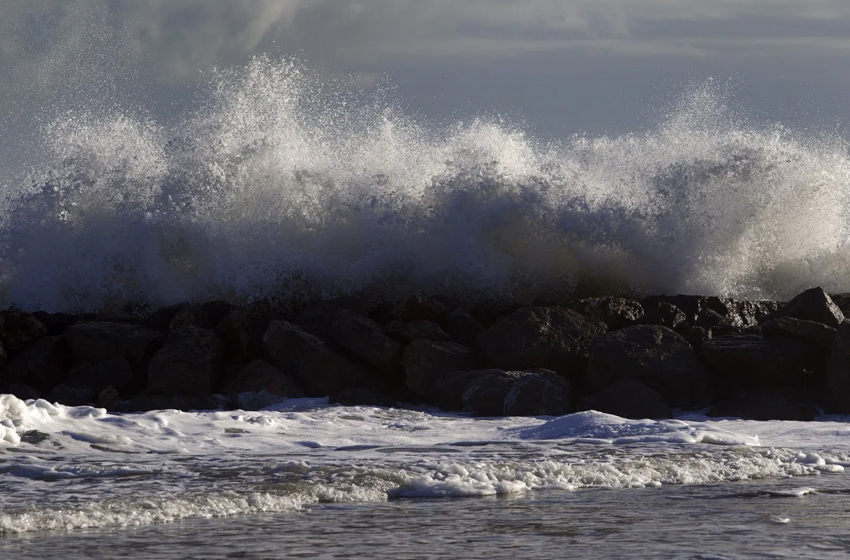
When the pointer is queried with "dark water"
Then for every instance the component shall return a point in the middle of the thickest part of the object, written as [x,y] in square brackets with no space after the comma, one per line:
[723,521]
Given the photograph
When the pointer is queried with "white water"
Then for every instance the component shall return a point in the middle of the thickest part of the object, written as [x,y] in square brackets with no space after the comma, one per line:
[276,184]
[65,468]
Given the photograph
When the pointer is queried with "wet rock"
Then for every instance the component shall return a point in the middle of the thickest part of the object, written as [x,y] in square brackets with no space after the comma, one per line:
[615,312]
[255,400]
[416,329]
[425,363]
[743,363]
[97,377]
[812,332]
[762,407]
[240,336]
[23,392]
[318,316]
[17,329]
[518,393]
[628,399]
[43,364]
[837,394]
[72,396]
[206,315]
[189,363]
[842,301]
[145,403]
[364,338]
[258,376]
[420,307]
[361,397]
[315,365]
[655,356]
[109,398]
[812,305]
[541,337]
[96,342]
[665,314]
[462,327]
[56,323]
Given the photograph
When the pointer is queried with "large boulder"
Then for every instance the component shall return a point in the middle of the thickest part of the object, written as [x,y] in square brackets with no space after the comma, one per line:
[240,336]
[420,307]
[17,329]
[115,371]
[518,393]
[43,364]
[316,366]
[416,329]
[189,363]
[812,332]
[541,337]
[462,327]
[615,312]
[426,362]
[95,342]
[364,338]
[318,316]
[144,403]
[663,313]
[756,362]
[736,313]
[762,407]
[628,399]
[812,305]
[837,395]
[654,355]
[258,376]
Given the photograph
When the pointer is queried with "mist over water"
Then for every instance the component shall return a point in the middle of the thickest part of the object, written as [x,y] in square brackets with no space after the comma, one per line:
[277,185]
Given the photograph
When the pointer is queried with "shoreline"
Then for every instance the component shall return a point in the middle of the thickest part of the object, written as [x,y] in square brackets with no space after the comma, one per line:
[758,360]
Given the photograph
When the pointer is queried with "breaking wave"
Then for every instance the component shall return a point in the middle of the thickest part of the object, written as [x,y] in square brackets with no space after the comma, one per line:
[277,185]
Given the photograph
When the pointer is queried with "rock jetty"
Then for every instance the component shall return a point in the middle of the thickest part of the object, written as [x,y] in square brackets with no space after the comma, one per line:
[759,360]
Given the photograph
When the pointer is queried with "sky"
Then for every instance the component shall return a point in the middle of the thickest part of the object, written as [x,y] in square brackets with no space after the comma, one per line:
[560,67]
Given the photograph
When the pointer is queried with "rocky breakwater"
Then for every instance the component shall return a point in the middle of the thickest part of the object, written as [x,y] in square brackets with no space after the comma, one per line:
[638,359]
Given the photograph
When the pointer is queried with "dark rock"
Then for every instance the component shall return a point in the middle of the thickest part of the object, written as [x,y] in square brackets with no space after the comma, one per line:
[842,301]
[420,307]
[518,393]
[689,305]
[627,399]
[364,338]
[655,356]
[361,397]
[615,312]
[710,319]
[17,329]
[743,363]
[462,327]
[72,396]
[206,315]
[259,376]
[665,314]
[814,333]
[696,336]
[739,314]
[812,305]
[189,363]
[425,363]
[97,377]
[762,407]
[749,314]
[240,336]
[416,329]
[109,398]
[541,337]
[56,323]
[43,364]
[837,395]
[144,403]
[92,342]
[316,367]
[23,392]
[318,316]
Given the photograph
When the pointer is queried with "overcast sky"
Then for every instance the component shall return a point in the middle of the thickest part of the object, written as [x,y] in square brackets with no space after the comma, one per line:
[565,66]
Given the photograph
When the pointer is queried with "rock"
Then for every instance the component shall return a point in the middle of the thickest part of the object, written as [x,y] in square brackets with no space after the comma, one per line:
[420,307]
[91,343]
[739,314]
[43,364]
[56,323]
[17,329]
[743,363]
[23,392]
[541,337]
[239,337]
[316,367]
[689,305]
[318,316]
[72,396]
[837,394]
[115,371]
[255,401]
[425,363]
[109,398]
[259,376]
[654,355]
[364,338]
[842,301]
[628,399]
[812,305]
[361,397]
[416,329]
[145,403]
[665,314]
[205,315]
[762,407]
[189,363]
[814,333]
[518,393]
[462,327]
[615,312]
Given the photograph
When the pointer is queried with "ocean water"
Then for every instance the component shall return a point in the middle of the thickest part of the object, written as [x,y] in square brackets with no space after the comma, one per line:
[279,184]
[304,479]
